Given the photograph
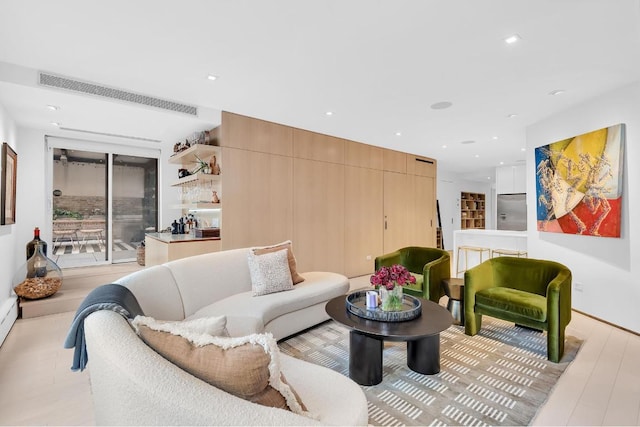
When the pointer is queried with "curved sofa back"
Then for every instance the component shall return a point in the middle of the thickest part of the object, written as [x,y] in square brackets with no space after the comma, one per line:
[179,288]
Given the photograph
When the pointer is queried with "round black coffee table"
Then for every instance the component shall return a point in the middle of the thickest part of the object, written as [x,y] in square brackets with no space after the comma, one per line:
[367,337]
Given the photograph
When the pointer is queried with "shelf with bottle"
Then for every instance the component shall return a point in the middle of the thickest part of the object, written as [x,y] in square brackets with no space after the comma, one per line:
[200,177]
[191,154]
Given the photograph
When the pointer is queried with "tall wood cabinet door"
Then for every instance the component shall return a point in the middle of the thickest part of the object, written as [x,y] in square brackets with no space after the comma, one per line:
[398,210]
[316,146]
[257,202]
[256,135]
[363,220]
[394,161]
[425,220]
[362,155]
[318,215]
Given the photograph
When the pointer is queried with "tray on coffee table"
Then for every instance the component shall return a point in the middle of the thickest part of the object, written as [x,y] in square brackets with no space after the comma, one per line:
[356,304]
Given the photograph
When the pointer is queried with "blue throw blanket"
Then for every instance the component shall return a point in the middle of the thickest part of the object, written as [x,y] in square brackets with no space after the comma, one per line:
[106,297]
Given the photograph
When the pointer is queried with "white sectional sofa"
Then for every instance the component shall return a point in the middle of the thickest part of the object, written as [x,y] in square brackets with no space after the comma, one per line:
[132,384]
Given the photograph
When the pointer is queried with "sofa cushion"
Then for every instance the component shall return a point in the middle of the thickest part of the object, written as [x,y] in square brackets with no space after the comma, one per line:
[247,367]
[295,277]
[532,306]
[318,287]
[269,272]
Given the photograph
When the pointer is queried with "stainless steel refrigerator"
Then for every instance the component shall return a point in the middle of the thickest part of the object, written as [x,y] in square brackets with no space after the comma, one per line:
[512,212]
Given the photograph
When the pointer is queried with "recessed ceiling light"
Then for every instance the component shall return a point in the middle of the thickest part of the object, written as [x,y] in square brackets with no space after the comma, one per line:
[398,133]
[56,124]
[477,155]
[502,163]
[557,92]
[488,177]
[444,146]
[494,138]
[512,39]
[511,116]
[329,113]
[467,142]
[52,108]
[522,149]
[212,77]
[441,105]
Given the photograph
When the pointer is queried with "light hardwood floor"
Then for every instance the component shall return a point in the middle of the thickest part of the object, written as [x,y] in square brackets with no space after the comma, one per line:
[600,387]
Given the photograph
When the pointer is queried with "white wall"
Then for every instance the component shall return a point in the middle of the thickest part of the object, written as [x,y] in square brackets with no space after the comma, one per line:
[607,268]
[450,185]
[8,311]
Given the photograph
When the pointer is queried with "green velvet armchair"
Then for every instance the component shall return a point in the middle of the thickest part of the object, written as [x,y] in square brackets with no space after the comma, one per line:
[429,266]
[529,292]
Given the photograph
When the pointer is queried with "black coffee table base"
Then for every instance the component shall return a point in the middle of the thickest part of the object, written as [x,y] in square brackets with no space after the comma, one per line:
[365,357]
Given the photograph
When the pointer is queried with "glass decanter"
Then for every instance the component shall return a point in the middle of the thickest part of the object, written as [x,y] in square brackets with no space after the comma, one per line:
[39,277]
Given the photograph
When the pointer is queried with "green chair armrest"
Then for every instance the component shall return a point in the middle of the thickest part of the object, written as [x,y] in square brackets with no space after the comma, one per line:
[476,279]
[434,273]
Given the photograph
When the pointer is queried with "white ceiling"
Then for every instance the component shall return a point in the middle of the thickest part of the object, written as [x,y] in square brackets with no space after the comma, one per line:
[378,65]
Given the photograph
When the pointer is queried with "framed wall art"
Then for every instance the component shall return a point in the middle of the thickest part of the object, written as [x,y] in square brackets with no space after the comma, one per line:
[9,165]
[579,183]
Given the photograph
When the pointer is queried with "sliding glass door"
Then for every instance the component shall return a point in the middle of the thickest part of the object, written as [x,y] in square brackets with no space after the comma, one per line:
[79,226]
[102,204]
[135,207]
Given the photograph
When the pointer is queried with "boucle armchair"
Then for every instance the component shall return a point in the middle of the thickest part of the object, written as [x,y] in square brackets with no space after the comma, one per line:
[429,266]
[529,292]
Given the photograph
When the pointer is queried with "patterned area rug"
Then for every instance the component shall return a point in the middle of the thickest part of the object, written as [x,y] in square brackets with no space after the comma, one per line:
[498,377]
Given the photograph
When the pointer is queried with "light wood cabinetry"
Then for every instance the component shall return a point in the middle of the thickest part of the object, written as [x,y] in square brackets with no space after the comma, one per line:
[409,211]
[425,221]
[422,166]
[318,215]
[341,202]
[472,210]
[315,146]
[363,219]
[255,135]
[399,206]
[394,161]
[363,155]
[258,205]
[158,252]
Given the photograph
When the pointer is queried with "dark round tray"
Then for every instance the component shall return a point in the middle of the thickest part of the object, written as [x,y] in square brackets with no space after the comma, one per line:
[357,304]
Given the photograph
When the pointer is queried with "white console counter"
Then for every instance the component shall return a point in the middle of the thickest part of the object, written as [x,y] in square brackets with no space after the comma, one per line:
[492,239]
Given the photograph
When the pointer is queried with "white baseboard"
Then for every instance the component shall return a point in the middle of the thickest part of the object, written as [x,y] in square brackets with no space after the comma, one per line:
[8,316]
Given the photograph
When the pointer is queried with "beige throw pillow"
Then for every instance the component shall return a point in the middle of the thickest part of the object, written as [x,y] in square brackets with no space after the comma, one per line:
[269,272]
[295,277]
[247,367]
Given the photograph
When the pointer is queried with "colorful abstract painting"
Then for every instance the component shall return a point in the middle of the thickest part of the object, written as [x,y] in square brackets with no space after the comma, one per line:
[579,183]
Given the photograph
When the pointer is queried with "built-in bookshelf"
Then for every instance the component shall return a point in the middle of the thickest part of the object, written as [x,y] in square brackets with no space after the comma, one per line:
[472,210]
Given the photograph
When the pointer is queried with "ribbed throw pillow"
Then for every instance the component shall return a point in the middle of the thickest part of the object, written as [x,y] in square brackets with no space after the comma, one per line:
[247,367]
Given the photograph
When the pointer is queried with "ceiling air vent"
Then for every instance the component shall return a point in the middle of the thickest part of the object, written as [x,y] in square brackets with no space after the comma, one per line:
[120,95]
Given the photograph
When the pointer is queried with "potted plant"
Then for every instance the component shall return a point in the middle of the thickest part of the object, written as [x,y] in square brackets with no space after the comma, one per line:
[201,165]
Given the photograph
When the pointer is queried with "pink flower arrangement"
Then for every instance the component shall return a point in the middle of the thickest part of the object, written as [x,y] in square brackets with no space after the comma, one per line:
[389,277]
